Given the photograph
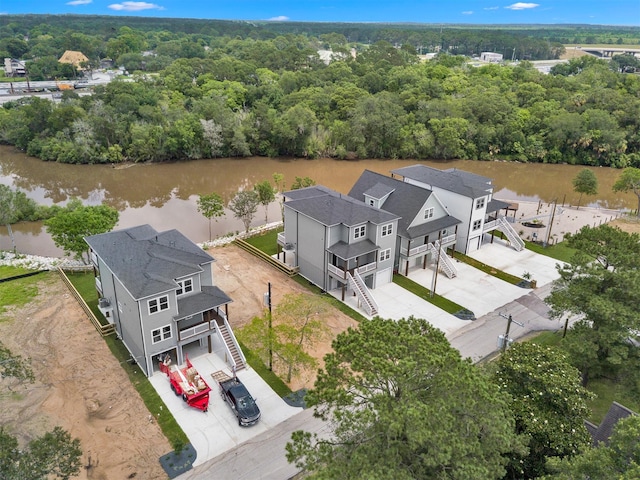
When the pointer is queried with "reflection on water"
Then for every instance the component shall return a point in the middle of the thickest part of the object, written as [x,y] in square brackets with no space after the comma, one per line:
[165,195]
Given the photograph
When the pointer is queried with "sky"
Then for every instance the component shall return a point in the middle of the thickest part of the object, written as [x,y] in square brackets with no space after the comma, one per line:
[599,12]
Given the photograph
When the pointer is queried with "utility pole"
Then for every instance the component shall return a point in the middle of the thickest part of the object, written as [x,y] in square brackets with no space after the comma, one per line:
[435,272]
[504,341]
[553,214]
[270,328]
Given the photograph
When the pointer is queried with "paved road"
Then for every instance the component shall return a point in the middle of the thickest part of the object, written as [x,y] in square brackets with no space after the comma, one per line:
[263,457]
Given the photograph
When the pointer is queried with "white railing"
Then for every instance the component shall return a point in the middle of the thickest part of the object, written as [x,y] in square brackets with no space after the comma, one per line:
[195,330]
[414,251]
[99,285]
[449,239]
[234,341]
[489,225]
[506,228]
[281,239]
[338,272]
[367,268]
[356,283]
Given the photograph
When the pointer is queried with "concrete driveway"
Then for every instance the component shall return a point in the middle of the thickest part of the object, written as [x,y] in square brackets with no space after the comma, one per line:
[216,431]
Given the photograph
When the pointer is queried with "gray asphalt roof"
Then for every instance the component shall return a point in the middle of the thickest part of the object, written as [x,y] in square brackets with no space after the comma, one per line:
[346,251]
[332,208]
[147,261]
[405,200]
[495,205]
[458,181]
[202,301]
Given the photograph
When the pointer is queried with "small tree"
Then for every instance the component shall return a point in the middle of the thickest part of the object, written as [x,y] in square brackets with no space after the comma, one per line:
[70,225]
[54,455]
[548,402]
[211,206]
[244,206]
[14,366]
[266,194]
[585,182]
[278,181]
[302,182]
[14,207]
[629,180]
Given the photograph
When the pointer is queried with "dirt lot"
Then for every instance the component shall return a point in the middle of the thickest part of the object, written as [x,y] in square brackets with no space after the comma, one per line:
[81,387]
[245,279]
[629,224]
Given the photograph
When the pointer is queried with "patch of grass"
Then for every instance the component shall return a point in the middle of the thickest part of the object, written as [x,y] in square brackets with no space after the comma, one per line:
[507,277]
[19,292]
[560,251]
[8,271]
[547,338]
[86,286]
[334,302]
[267,241]
[608,391]
[424,293]
[267,375]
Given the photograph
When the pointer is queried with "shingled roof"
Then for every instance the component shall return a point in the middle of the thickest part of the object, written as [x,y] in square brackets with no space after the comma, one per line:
[332,208]
[601,433]
[454,180]
[147,262]
[73,57]
[403,199]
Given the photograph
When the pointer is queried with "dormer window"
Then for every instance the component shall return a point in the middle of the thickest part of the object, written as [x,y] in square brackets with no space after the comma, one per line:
[184,286]
[428,213]
[359,232]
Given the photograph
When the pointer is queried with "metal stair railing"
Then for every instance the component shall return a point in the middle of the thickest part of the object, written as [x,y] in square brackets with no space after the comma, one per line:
[511,234]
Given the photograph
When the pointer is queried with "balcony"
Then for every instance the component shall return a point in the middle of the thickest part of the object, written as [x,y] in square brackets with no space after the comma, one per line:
[99,285]
[414,251]
[341,274]
[196,330]
[281,239]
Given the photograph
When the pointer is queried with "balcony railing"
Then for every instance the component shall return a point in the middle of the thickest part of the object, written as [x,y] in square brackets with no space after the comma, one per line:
[489,225]
[338,272]
[281,239]
[99,285]
[367,268]
[449,239]
[197,330]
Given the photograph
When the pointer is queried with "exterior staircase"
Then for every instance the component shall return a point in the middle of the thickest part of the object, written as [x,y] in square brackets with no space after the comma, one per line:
[365,298]
[232,344]
[445,265]
[505,227]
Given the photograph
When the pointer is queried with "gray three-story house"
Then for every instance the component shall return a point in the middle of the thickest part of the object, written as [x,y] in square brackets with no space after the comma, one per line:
[158,289]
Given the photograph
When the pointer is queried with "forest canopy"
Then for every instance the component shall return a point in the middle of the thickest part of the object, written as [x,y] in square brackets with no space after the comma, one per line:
[202,89]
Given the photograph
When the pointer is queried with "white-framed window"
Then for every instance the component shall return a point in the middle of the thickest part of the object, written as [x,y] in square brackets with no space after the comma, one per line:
[184,286]
[477,224]
[387,229]
[385,255]
[359,232]
[428,213]
[160,334]
[480,203]
[372,202]
[158,304]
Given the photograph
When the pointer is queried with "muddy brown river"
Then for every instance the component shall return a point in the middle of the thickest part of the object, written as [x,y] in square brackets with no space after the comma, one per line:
[165,195]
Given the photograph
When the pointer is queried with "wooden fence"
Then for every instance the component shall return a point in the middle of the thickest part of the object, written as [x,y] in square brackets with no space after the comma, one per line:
[291,271]
[103,330]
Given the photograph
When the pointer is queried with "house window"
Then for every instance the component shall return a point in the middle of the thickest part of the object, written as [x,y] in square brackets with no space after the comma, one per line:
[480,203]
[385,255]
[359,232]
[158,304]
[372,202]
[428,213]
[184,286]
[160,334]
[477,224]
[387,230]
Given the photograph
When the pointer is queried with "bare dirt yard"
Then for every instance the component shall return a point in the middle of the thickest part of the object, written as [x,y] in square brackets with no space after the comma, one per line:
[245,279]
[82,388]
[79,386]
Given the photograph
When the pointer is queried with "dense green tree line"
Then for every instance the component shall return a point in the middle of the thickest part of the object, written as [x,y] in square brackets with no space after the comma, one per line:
[270,98]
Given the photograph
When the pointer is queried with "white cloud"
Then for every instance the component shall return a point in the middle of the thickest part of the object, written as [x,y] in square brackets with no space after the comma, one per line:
[279,18]
[134,6]
[522,6]
[79,2]
[491,8]
[468,12]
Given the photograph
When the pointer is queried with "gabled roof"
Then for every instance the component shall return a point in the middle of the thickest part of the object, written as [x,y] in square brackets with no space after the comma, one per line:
[147,262]
[458,181]
[405,200]
[332,208]
[73,57]
[603,432]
